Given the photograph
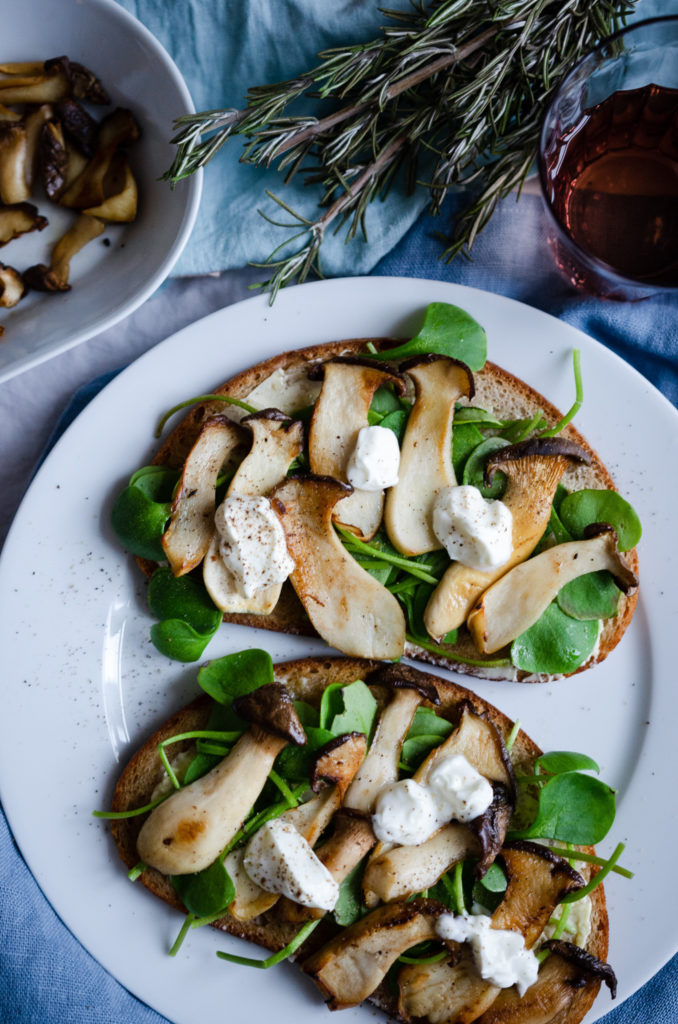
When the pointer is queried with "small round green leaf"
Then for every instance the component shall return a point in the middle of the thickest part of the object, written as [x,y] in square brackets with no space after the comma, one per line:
[139,523]
[205,892]
[234,675]
[556,644]
[580,509]
[555,762]
[465,438]
[474,468]
[178,640]
[593,596]
[182,597]
[573,808]
[447,330]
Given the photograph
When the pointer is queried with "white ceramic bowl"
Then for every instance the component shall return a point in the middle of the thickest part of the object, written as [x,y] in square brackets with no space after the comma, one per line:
[108,281]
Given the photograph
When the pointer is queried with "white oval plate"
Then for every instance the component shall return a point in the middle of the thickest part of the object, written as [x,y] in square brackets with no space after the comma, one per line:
[108,282]
[82,679]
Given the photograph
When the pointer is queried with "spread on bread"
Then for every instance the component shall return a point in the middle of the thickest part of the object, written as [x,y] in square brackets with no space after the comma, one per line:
[401,494]
[398,836]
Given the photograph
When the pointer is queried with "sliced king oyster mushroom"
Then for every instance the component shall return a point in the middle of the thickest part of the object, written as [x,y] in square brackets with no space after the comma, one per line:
[517,600]
[189,534]
[350,966]
[332,769]
[454,992]
[276,442]
[403,870]
[534,469]
[348,607]
[349,384]
[426,452]
[188,831]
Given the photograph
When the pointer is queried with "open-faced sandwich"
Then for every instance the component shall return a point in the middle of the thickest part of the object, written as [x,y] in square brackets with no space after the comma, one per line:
[397,836]
[394,499]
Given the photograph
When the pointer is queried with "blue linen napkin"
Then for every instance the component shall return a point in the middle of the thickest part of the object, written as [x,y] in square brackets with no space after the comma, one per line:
[222,49]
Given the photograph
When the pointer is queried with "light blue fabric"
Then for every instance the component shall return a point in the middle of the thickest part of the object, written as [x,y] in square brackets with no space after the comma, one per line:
[222,48]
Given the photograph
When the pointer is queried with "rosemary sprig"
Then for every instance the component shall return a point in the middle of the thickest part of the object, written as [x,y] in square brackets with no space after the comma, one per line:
[452,92]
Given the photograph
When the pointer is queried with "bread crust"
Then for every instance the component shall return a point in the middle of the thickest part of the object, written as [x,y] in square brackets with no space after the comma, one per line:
[307,679]
[496,390]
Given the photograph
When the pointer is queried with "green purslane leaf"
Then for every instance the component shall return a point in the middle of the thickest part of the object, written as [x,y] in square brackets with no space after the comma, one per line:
[517,430]
[385,401]
[348,709]
[396,421]
[140,512]
[465,438]
[573,808]
[235,675]
[559,762]
[349,905]
[473,414]
[556,644]
[593,596]
[580,509]
[205,892]
[449,331]
[474,468]
[294,763]
[178,640]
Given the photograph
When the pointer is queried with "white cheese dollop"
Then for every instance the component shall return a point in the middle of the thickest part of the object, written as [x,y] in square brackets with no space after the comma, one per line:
[252,543]
[500,955]
[280,860]
[405,813]
[375,460]
[475,531]
[459,790]
[409,812]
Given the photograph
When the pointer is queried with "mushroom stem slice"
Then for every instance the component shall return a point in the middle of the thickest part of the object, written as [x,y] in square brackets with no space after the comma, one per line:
[13,163]
[340,412]
[120,193]
[426,453]
[517,600]
[350,609]
[11,286]
[189,830]
[534,469]
[351,966]
[447,992]
[90,189]
[189,534]
[35,122]
[276,441]
[404,870]
[55,277]
[380,767]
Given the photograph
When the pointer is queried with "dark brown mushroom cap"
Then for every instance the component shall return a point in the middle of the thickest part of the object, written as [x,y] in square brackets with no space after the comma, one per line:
[53,158]
[402,677]
[267,414]
[625,578]
[434,357]
[316,371]
[588,963]
[272,709]
[337,761]
[40,278]
[84,83]
[561,866]
[78,125]
[490,827]
[535,446]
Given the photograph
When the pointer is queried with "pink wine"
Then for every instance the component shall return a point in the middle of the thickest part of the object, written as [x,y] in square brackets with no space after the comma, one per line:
[613,181]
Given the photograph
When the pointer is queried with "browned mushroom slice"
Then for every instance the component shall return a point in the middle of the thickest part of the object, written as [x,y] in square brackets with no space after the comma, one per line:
[404,870]
[534,469]
[189,534]
[120,193]
[380,767]
[348,607]
[7,114]
[332,769]
[189,830]
[477,739]
[340,413]
[91,189]
[11,286]
[517,600]
[351,966]
[550,997]
[79,127]
[426,452]
[35,86]
[448,992]
[35,122]
[53,159]
[276,442]
[13,162]
[18,220]
[454,993]
[84,83]
[55,277]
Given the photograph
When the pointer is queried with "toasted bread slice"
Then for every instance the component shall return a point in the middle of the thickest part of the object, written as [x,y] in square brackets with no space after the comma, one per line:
[306,679]
[497,391]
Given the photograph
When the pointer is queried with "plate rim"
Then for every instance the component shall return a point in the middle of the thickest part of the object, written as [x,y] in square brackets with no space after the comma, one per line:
[338,284]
